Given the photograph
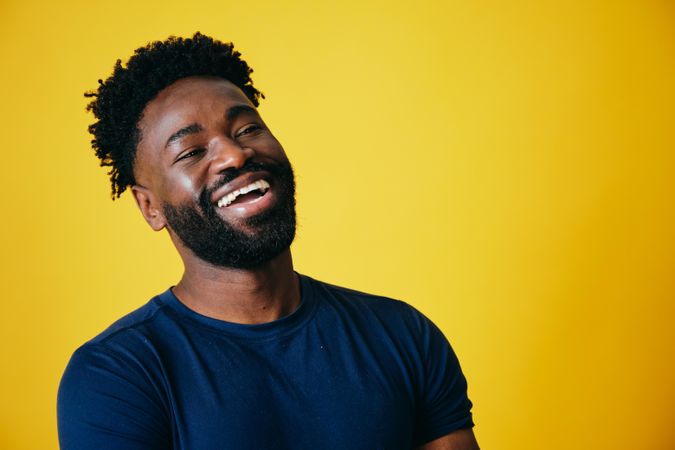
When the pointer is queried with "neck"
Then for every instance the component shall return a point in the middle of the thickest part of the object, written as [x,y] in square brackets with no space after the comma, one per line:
[246,296]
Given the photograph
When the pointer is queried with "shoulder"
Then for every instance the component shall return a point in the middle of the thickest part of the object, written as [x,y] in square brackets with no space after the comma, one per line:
[125,350]
[390,312]
[136,320]
[112,386]
[401,322]
[339,294]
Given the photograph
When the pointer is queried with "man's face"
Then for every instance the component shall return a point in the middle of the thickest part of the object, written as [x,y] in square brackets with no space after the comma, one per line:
[214,174]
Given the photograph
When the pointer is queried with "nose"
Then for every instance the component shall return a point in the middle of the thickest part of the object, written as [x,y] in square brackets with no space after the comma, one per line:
[227,153]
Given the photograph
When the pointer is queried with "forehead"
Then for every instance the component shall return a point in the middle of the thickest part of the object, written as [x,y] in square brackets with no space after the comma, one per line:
[188,100]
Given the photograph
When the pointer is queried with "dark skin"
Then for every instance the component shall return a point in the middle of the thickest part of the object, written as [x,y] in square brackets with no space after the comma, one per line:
[178,172]
[192,131]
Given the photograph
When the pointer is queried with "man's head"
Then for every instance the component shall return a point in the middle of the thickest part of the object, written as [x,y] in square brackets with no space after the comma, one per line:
[179,126]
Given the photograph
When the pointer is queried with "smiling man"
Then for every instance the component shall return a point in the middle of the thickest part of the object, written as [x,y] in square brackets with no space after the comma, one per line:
[242,353]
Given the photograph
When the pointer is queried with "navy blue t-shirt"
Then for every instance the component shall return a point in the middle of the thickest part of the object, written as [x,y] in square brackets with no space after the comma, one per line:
[346,370]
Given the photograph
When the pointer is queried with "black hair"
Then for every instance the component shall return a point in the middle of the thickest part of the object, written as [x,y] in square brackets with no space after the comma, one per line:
[119,101]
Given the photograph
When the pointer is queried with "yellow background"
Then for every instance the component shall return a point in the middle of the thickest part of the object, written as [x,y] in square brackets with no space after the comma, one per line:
[505,166]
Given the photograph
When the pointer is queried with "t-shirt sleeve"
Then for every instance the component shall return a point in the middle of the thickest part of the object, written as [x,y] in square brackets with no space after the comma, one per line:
[444,405]
[106,402]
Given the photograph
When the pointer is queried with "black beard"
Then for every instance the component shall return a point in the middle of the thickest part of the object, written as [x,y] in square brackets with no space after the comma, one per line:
[221,244]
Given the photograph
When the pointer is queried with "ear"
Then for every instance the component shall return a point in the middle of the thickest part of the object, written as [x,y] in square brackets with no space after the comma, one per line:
[149,207]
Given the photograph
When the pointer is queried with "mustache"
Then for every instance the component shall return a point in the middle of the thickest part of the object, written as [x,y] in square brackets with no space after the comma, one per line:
[231,173]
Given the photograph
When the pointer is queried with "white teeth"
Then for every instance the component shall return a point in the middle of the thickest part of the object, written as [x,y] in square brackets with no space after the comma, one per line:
[229,198]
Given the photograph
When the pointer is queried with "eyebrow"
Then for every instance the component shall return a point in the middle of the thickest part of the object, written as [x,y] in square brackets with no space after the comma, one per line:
[231,114]
[237,110]
[190,129]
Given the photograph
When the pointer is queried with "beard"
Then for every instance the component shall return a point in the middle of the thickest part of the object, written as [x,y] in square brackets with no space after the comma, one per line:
[259,239]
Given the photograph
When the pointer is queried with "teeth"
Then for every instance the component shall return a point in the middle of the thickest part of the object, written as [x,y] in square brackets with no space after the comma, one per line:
[262,185]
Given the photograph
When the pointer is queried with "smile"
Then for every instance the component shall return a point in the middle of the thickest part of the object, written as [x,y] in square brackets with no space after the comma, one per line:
[259,187]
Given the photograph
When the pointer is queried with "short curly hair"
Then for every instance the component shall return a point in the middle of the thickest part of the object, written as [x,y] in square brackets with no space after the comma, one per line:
[119,101]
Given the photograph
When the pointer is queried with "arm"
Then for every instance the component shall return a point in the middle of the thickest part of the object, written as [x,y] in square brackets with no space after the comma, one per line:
[463,439]
[444,418]
[105,401]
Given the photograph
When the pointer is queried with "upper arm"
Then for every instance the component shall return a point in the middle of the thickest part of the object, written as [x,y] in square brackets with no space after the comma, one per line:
[444,408]
[104,401]
[463,439]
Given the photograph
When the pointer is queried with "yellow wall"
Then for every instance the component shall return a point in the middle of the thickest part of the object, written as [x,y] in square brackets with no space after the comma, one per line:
[505,166]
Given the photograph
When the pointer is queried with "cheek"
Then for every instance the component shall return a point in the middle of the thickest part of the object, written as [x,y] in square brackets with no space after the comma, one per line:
[185,182]
[181,186]
[272,148]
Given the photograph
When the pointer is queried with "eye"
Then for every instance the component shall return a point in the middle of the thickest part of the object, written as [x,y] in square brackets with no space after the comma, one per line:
[249,129]
[190,154]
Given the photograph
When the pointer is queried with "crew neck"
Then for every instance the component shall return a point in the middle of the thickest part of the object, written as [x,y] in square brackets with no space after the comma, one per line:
[278,327]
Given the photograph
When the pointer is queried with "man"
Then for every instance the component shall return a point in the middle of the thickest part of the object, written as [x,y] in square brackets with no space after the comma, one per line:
[243,353]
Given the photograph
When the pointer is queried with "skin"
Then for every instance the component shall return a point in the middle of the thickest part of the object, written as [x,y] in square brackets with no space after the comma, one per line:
[457,440]
[171,174]
[177,173]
